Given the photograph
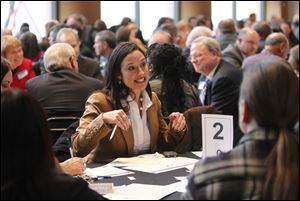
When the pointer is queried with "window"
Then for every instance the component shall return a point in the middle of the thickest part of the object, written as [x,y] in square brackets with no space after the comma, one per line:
[151,12]
[35,13]
[245,8]
[112,12]
[221,10]
[237,10]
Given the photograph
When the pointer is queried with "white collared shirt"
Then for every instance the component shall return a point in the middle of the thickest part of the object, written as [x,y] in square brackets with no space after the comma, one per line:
[139,125]
[209,76]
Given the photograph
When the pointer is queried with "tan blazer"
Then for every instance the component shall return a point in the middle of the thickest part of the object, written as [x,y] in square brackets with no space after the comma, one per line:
[91,139]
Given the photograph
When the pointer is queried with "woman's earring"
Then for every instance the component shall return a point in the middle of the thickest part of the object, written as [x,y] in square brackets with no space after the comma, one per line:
[119,82]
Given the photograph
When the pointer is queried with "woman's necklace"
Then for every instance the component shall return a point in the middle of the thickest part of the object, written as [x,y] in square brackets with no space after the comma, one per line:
[141,105]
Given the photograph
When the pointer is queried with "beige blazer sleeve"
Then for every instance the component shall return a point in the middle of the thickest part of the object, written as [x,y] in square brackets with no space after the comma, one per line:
[91,127]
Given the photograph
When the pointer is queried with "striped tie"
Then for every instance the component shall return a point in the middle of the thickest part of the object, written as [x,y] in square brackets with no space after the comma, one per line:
[203,91]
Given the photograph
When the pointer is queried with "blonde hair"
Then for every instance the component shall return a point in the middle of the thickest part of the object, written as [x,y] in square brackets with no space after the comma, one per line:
[8,42]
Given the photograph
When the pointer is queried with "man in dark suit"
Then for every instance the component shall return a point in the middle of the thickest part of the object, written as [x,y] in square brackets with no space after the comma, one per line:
[245,46]
[276,48]
[87,66]
[62,89]
[221,88]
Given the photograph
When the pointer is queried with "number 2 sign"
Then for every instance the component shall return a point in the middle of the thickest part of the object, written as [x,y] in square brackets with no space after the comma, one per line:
[217,134]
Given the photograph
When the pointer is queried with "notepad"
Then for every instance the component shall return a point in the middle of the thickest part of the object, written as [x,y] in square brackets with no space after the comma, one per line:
[102,188]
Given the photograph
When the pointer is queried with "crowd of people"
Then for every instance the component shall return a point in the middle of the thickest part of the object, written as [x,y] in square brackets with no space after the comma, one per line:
[134,96]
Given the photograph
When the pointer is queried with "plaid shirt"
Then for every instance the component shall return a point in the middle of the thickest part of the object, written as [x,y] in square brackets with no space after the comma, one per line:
[237,174]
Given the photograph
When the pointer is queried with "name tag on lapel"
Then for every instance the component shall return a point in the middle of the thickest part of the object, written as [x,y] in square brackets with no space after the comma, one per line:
[22,74]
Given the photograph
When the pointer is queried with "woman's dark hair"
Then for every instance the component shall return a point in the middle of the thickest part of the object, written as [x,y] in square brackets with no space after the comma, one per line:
[168,64]
[271,90]
[5,67]
[119,91]
[26,153]
[30,45]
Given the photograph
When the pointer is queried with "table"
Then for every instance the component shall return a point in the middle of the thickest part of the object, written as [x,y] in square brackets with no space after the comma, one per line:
[160,179]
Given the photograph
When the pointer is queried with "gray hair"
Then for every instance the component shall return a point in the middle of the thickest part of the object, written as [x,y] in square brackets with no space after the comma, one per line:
[211,44]
[58,56]
[109,37]
[276,39]
[157,34]
[245,32]
[65,32]
[196,32]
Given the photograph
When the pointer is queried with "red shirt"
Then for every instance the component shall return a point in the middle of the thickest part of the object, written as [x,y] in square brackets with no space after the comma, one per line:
[22,73]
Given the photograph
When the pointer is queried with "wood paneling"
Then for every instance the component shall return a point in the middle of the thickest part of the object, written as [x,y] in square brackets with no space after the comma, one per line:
[90,9]
[194,8]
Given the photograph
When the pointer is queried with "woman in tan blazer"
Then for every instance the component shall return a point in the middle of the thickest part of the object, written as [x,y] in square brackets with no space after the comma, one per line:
[128,105]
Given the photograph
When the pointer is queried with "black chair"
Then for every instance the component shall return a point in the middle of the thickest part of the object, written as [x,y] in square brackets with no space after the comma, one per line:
[62,145]
[58,124]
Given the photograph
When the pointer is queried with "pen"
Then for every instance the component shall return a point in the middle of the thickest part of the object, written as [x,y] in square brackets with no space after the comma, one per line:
[71,152]
[101,177]
[113,132]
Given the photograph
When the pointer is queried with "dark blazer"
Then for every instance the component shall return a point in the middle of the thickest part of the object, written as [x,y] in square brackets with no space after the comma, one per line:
[233,55]
[55,186]
[223,93]
[226,39]
[62,90]
[89,67]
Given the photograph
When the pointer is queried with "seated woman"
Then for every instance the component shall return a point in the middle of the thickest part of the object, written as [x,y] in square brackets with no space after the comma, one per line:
[28,168]
[128,105]
[265,163]
[167,68]
[11,49]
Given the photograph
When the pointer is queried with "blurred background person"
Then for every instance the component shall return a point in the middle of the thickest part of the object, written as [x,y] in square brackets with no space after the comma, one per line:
[11,49]
[6,74]
[86,66]
[226,33]
[105,43]
[184,28]
[264,30]
[32,50]
[294,59]
[245,46]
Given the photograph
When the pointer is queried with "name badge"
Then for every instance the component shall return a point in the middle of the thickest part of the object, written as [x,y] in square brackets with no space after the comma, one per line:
[201,85]
[22,74]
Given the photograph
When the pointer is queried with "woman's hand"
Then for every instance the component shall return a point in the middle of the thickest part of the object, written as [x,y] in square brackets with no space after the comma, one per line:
[117,117]
[73,166]
[178,121]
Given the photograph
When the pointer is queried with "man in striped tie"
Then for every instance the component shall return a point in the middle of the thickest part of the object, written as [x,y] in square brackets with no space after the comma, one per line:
[222,79]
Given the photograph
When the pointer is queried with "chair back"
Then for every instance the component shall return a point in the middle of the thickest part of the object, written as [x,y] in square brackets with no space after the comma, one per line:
[192,141]
[58,124]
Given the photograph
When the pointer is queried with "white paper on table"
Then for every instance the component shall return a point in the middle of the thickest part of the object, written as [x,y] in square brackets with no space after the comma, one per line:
[140,192]
[179,186]
[197,153]
[153,163]
[106,170]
